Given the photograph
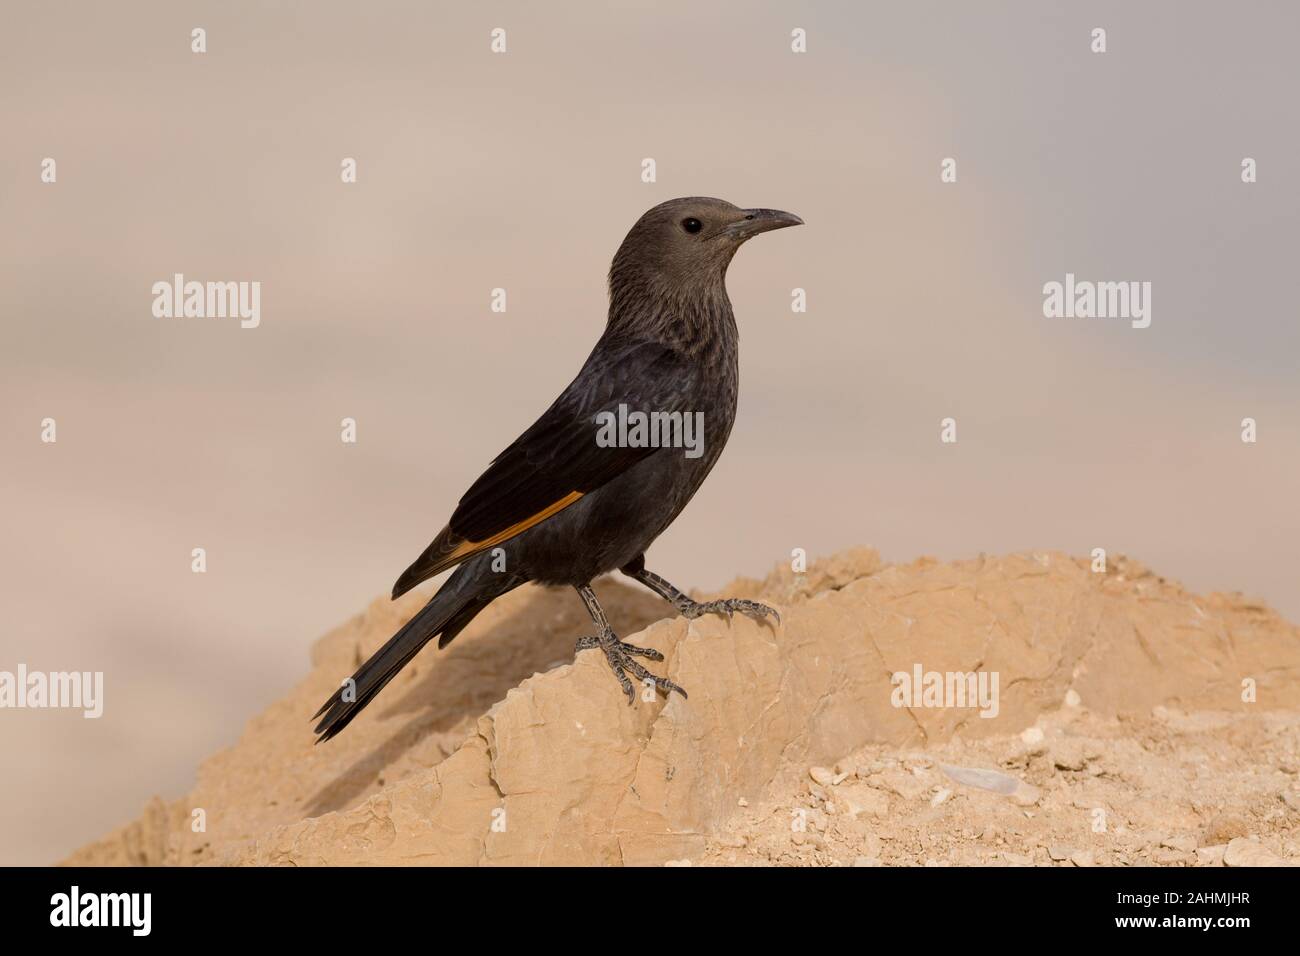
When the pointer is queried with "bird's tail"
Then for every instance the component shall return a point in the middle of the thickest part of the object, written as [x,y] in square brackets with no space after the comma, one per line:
[447,613]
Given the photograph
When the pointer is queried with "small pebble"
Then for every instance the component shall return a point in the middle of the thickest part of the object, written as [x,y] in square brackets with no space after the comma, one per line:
[1210,855]
[858,798]
[1244,852]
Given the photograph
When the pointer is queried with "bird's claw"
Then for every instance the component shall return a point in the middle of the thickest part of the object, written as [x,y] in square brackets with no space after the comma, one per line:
[620,656]
[729,606]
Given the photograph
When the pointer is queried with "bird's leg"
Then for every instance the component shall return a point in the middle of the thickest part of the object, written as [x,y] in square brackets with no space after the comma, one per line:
[693,609]
[620,654]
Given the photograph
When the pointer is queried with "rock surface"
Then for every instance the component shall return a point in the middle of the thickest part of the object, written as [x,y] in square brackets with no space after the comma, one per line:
[503,749]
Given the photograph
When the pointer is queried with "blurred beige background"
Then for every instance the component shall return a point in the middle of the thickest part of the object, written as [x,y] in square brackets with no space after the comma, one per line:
[522,171]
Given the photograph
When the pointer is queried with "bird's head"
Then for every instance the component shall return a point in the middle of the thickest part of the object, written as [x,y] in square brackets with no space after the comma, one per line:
[688,243]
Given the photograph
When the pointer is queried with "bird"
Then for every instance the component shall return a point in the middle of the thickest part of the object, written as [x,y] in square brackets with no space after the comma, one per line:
[573,497]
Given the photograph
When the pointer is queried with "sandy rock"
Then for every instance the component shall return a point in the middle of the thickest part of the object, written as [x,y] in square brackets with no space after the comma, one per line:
[1246,852]
[1210,855]
[480,754]
[821,775]
[859,798]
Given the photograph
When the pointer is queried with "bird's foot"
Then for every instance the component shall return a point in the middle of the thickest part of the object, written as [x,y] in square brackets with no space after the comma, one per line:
[620,655]
[728,606]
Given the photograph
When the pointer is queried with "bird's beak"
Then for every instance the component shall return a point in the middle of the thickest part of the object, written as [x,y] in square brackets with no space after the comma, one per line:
[762,220]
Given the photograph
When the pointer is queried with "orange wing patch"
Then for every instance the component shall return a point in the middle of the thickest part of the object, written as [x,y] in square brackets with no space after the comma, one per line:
[449,548]
[465,548]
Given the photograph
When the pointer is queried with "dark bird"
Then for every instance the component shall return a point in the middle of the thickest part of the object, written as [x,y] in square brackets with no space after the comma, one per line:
[574,497]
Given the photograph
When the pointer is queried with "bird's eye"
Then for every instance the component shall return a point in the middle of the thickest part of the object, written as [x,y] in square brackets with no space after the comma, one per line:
[692,225]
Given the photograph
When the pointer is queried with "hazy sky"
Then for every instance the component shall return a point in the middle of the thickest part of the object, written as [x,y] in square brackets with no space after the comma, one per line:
[522,170]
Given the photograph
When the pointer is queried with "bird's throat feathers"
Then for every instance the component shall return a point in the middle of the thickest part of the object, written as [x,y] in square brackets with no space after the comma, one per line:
[689,310]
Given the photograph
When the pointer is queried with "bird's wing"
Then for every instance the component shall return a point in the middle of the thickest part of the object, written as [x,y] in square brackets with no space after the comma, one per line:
[558,460]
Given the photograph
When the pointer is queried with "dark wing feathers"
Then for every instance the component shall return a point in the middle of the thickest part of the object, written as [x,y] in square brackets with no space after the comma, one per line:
[557,460]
